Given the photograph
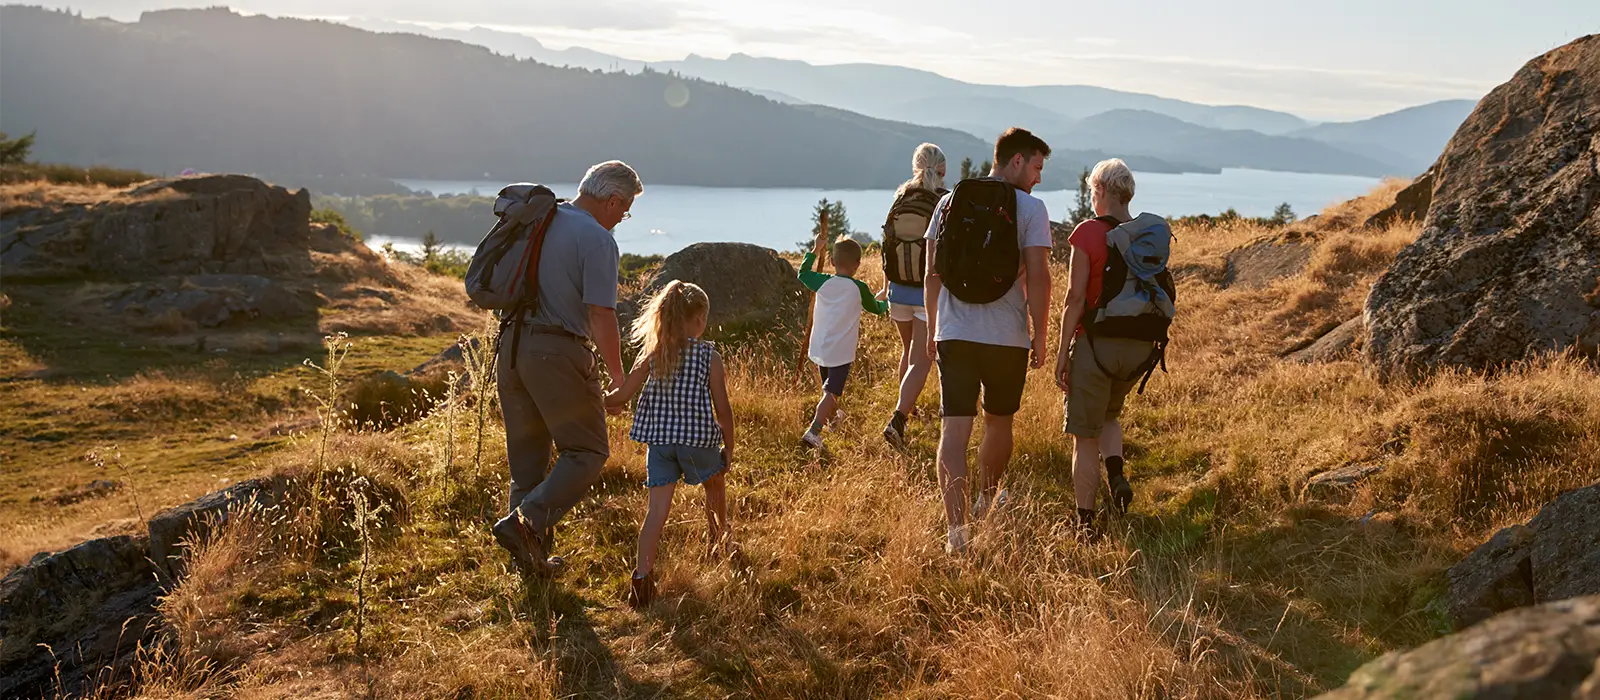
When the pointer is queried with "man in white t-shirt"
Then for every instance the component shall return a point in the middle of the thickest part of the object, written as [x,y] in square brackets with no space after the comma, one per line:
[989,346]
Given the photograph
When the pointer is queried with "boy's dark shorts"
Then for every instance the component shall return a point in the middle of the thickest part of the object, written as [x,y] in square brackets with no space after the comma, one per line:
[964,367]
[833,378]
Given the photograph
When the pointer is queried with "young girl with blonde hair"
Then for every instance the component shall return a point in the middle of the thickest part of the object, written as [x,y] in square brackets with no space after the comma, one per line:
[683,415]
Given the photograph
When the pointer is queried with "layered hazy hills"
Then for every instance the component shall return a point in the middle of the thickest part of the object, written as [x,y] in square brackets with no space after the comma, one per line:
[1403,143]
[214,90]
[1412,137]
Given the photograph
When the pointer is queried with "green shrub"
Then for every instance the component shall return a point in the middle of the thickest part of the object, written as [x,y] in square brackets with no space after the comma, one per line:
[329,216]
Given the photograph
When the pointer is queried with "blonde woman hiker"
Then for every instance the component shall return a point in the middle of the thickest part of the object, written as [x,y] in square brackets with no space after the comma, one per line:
[683,415]
[1120,302]
[905,266]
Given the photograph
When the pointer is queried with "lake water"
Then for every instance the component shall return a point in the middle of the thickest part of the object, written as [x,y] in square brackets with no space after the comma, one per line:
[667,218]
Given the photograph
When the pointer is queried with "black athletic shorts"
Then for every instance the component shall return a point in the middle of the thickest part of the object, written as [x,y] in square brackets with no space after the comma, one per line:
[833,378]
[965,367]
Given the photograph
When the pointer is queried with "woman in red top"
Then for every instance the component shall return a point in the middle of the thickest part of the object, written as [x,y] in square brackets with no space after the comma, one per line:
[1094,399]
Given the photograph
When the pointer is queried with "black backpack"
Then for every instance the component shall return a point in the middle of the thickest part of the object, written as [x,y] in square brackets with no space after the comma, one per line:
[978,254]
[905,246]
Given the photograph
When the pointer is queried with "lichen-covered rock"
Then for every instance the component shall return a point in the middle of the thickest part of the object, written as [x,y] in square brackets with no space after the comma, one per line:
[1509,255]
[1555,556]
[91,605]
[1547,652]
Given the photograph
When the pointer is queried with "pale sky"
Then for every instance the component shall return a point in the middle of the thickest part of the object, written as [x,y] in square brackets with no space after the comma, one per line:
[1335,59]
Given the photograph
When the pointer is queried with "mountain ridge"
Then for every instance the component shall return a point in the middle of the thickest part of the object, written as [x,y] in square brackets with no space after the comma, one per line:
[215,90]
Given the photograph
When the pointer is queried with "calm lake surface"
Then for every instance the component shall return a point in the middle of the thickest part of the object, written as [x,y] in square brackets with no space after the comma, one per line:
[667,218]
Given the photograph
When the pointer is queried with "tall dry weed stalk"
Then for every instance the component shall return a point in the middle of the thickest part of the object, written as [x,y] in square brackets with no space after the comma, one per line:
[127,475]
[363,517]
[478,350]
[329,411]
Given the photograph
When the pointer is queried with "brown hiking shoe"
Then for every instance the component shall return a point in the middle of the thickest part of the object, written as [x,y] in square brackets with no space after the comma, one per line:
[643,592]
[528,550]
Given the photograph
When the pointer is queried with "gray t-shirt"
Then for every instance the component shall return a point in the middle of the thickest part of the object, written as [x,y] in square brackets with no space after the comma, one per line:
[577,269]
[1003,321]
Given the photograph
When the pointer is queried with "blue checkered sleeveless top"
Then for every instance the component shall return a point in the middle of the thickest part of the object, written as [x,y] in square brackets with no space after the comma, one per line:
[677,410]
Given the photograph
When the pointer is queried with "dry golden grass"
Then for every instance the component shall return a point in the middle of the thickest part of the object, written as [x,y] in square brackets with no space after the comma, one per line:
[1228,580]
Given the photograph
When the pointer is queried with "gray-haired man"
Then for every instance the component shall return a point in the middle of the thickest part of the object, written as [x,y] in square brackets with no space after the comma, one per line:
[550,391]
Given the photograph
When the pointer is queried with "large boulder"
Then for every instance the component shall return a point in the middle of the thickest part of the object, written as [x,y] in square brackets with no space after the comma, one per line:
[751,288]
[1555,556]
[1510,247]
[1547,652]
[182,226]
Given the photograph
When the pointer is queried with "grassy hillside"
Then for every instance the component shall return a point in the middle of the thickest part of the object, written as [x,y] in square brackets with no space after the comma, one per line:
[1229,579]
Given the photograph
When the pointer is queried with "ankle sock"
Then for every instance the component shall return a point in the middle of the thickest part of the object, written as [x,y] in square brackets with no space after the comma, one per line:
[816,426]
[1113,467]
[1086,517]
[898,421]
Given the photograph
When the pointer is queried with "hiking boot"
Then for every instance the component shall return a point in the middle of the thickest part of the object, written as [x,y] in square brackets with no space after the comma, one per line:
[812,440]
[1121,494]
[1087,528]
[895,432]
[643,591]
[529,552]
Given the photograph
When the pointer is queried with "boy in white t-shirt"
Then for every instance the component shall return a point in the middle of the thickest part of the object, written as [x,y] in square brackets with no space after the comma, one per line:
[835,325]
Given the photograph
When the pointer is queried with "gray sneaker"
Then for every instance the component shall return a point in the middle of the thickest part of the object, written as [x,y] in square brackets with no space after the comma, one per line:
[528,550]
[812,440]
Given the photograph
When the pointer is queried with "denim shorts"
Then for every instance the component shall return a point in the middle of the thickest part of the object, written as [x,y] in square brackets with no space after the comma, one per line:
[666,464]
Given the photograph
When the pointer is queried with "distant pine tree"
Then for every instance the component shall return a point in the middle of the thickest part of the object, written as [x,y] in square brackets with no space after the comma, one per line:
[966,168]
[838,224]
[15,151]
[1084,209]
[1284,215]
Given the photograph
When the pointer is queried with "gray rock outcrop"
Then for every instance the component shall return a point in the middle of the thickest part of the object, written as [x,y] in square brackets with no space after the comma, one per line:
[1548,652]
[1260,263]
[1410,204]
[83,612]
[1508,261]
[1555,556]
[192,225]
[1343,341]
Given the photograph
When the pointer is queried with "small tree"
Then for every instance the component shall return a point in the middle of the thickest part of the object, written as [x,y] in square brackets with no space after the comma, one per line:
[838,224]
[1284,215]
[966,168]
[984,170]
[430,247]
[1084,210]
[15,151]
